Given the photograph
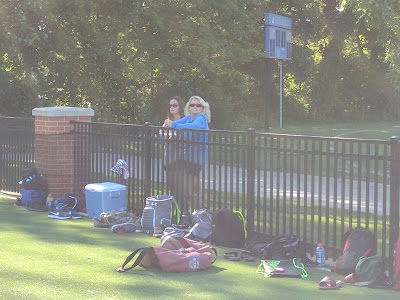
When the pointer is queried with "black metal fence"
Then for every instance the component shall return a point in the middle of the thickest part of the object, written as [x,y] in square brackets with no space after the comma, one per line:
[314,187]
[16,151]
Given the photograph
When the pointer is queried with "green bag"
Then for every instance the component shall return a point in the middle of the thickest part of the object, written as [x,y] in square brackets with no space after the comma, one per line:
[370,272]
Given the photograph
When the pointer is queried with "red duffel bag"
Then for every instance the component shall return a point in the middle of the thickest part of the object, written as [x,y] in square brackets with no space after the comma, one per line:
[174,255]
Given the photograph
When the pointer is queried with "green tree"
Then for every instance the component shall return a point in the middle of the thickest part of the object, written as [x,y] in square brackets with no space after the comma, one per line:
[125,57]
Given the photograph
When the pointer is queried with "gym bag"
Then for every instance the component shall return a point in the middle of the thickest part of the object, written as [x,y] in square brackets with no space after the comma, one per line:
[396,266]
[281,247]
[34,199]
[174,255]
[31,179]
[282,268]
[202,225]
[369,272]
[358,242]
[228,229]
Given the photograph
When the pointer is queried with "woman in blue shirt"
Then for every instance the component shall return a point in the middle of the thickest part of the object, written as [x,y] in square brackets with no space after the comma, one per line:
[195,148]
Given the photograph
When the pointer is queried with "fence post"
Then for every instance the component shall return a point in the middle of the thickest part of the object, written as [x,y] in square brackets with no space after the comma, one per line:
[54,145]
[394,192]
[250,157]
[147,160]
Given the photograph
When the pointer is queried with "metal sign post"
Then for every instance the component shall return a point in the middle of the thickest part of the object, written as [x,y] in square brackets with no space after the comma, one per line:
[280,95]
[278,46]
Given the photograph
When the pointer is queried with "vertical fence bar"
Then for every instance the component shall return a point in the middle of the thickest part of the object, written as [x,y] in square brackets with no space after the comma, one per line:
[284,184]
[147,160]
[385,201]
[305,192]
[272,207]
[250,179]
[394,192]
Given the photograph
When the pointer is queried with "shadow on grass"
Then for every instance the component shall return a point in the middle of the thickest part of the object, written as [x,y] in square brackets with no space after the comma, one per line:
[39,226]
[43,258]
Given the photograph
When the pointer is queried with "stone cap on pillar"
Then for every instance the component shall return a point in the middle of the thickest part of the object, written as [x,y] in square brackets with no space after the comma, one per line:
[62,111]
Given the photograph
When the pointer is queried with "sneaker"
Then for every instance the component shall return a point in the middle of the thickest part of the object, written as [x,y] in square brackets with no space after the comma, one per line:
[60,215]
[75,215]
[123,228]
[18,202]
[181,226]
[98,223]
[158,232]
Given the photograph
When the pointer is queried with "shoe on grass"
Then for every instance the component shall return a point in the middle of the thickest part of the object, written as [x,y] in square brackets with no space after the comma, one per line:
[74,214]
[59,215]
[123,228]
[232,256]
[158,232]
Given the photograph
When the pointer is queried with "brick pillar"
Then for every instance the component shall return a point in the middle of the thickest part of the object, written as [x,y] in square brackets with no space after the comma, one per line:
[54,151]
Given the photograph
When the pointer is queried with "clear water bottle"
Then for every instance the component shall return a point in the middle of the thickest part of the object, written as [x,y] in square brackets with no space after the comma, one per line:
[320,255]
[49,200]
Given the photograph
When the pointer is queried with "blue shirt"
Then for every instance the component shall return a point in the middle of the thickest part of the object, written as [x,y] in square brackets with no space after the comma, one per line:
[196,150]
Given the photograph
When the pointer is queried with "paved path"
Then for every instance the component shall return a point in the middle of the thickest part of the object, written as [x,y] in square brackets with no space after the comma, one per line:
[359,195]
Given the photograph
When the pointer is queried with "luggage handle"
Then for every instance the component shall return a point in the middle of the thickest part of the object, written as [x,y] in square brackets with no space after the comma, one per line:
[138,260]
[115,194]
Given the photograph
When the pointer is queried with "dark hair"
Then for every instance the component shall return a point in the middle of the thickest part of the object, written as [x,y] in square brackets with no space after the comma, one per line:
[181,104]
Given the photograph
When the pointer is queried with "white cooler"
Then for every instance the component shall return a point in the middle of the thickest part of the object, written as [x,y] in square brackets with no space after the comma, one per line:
[104,197]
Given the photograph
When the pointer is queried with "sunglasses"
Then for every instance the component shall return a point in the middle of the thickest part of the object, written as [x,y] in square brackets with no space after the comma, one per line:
[173,105]
[195,105]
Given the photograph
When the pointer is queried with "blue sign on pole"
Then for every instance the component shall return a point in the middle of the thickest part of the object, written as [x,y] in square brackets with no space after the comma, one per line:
[278,36]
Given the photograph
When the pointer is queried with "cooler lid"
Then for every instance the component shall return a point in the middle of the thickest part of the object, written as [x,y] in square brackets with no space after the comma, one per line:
[104,187]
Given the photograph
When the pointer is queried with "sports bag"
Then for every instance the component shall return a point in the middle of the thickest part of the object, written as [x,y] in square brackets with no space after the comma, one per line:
[174,255]
[282,268]
[202,225]
[282,247]
[200,231]
[357,242]
[31,179]
[369,272]
[228,229]
[34,199]
[396,266]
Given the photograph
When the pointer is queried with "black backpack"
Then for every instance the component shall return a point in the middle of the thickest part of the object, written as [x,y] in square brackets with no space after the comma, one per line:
[228,229]
[357,242]
[282,247]
[31,179]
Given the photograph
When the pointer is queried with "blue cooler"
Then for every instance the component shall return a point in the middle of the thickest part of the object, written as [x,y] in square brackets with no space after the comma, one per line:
[104,197]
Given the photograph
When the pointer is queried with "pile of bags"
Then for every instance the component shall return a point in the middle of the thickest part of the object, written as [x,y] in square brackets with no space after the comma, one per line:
[33,190]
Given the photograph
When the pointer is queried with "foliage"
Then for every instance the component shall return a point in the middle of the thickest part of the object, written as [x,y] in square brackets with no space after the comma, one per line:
[124,57]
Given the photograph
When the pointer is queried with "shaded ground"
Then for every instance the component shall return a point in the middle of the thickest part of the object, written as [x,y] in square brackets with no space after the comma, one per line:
[43,258]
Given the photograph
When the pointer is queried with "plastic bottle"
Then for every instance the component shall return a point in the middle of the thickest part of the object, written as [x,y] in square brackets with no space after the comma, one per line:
[320,255]
[49,200]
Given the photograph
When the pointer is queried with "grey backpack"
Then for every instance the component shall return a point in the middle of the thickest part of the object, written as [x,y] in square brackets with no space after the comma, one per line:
[202,225]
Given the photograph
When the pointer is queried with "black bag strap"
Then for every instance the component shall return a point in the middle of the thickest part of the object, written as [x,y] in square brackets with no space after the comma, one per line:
[138,260]
[216,254]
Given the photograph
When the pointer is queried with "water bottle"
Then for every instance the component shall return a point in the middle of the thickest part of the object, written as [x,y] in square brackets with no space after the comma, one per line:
[186,219]
[320,255]
[49,200]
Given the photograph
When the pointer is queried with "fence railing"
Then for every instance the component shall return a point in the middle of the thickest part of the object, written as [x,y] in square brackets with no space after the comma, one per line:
[16,151]
[314,187]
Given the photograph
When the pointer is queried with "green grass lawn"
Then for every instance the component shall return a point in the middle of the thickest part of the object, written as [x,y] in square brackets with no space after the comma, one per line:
[43,258]
[365,130]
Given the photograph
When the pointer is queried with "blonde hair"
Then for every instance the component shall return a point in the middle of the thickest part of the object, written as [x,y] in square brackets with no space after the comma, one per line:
[206,107]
